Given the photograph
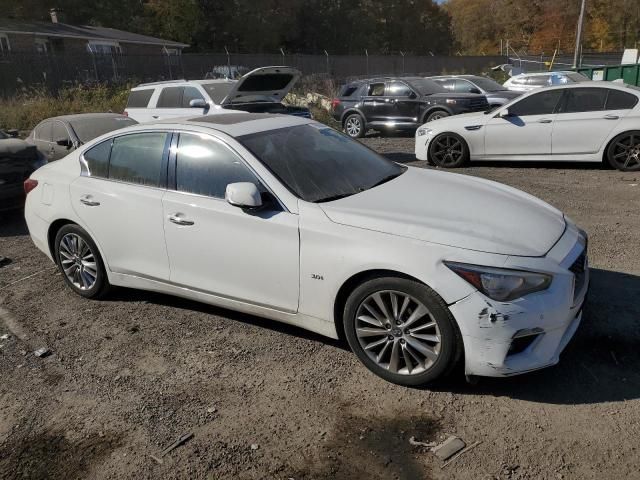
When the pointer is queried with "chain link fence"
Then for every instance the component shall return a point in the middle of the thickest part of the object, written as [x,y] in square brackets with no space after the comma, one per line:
[19,70]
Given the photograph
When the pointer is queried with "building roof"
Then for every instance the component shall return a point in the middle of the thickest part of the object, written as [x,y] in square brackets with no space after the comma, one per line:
[85,32]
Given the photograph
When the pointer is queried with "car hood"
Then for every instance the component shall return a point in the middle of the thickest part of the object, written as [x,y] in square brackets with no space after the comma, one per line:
[455,210]
[270,84]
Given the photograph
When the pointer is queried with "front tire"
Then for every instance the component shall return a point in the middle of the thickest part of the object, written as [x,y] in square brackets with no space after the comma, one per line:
[449,150]
[354,126]
[623,152]
[402,331]
[80,263]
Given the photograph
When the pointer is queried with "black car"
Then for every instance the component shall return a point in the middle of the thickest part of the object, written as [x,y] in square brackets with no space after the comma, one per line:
[398,104]
[18,160]
[497,95]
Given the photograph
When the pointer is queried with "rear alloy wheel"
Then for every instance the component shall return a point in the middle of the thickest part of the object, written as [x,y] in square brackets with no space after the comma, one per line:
[437,115]
[449,150]
[79,262]
[624,152]
[354,126]
[401,330]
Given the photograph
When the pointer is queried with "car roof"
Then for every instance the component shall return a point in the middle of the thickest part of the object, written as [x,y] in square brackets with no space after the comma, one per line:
[170,83]
[360,81]
[84,117]
[537,74]
[233,124]
[593,84]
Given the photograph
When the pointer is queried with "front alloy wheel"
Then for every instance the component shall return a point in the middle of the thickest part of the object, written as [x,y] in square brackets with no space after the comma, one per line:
[624,152]
[449,150]
[398,332]
[401,330]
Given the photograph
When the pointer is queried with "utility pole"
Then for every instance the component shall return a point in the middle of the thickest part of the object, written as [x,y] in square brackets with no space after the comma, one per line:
[576,52]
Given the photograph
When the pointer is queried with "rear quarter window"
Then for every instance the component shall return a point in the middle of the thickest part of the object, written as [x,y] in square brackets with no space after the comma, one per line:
[97,159]
[618,100]
[348,90]
[139,98]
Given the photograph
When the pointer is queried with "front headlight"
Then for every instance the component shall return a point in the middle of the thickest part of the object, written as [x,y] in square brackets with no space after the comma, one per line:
[501,284]
[423,131]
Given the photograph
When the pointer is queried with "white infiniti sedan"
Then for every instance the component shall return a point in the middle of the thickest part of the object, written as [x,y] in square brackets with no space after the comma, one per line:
[285,218]
[582,122]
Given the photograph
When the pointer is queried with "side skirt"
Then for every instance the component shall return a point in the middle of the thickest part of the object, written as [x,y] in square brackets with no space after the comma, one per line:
[314,324]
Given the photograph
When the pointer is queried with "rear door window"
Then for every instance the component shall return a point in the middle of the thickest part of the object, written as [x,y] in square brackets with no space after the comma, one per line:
[376,90]
[139,98]
[398,89]
[139,158]
[618,100]
[59,132]
[543,103]
[585,100]
[205,167]
[170,97]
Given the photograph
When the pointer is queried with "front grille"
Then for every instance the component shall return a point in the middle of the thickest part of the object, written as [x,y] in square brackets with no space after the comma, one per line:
[579,269]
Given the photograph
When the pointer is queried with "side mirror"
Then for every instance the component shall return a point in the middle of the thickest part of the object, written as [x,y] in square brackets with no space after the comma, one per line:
[504,113]
[474,90]
[64,142]
[243,195]
[198,103]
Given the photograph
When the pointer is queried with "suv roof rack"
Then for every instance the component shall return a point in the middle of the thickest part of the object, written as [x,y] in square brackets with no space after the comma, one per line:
[161,82]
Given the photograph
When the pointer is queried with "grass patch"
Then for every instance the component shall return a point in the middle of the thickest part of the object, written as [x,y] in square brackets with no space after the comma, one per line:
[25,110]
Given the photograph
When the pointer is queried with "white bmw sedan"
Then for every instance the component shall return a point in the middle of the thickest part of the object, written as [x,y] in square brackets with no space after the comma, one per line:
[583,122]
[285,218]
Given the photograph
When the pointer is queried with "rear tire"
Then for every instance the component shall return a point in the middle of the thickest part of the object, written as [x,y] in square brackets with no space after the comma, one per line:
[449,150]
[402,331]
[438,114]
[80,263]
[354,126]
[623,152]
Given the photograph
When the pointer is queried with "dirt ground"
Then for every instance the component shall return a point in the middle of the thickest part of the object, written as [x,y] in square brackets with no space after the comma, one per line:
[129,375]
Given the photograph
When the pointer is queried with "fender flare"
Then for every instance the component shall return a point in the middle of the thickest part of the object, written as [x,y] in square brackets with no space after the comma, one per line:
[433,109]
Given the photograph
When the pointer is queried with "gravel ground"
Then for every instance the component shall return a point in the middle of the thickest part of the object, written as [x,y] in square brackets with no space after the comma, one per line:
[129,375]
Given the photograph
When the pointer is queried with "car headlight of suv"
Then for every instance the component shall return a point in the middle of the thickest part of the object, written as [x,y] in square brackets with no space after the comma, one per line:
[501,284]
[423,131]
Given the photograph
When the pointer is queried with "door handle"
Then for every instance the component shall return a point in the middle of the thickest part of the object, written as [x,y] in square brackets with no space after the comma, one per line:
[155,116]
[611,117]
[544,120]
[178,220]
[86,200]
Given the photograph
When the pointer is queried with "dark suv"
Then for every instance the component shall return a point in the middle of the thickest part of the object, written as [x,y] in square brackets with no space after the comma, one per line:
[405,103]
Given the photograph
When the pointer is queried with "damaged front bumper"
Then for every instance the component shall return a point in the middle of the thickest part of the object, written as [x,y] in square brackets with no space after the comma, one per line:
[511,338]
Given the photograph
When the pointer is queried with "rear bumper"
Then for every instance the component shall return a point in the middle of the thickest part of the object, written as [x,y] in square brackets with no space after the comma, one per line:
[38,230]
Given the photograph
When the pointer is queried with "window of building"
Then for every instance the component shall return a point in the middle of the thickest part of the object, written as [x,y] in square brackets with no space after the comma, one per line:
[5,47]
[42,46]
[104,47]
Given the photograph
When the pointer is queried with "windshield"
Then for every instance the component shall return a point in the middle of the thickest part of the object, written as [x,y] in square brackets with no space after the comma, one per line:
[487,84]
[427,87]
[218,91]
[319,164]
[89,128]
